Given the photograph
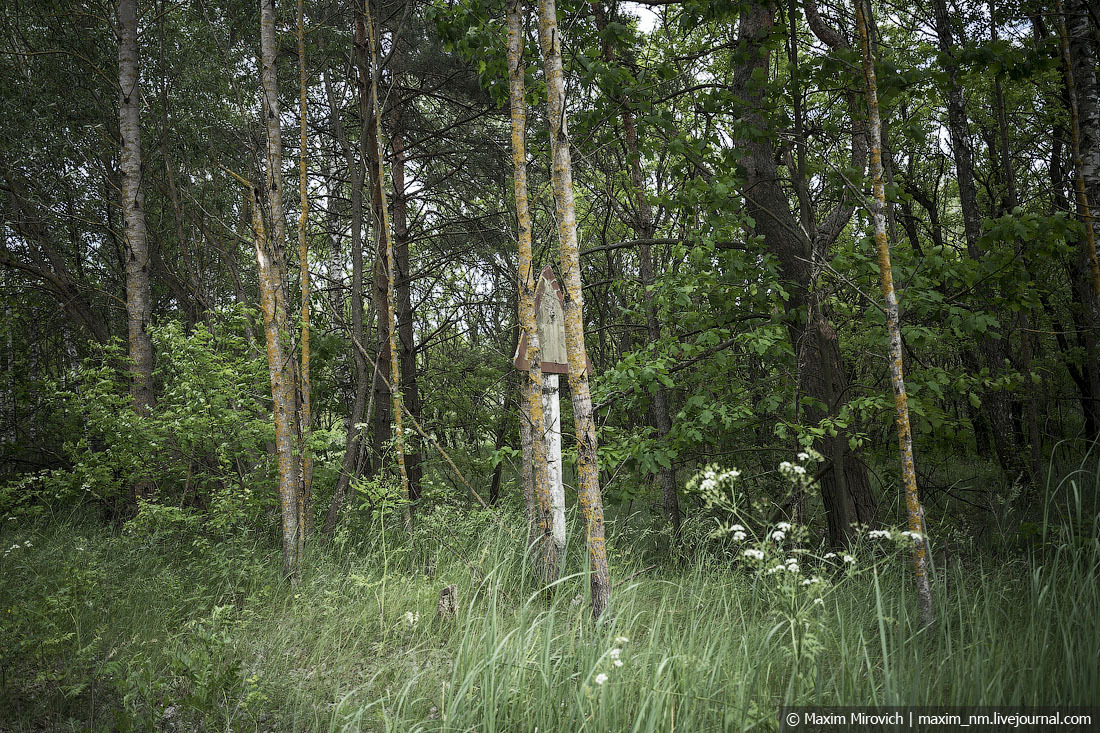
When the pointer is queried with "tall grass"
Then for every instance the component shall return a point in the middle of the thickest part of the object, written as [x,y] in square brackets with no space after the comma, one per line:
[171,630]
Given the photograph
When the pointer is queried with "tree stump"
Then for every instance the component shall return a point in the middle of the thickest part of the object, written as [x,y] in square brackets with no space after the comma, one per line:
[448,602]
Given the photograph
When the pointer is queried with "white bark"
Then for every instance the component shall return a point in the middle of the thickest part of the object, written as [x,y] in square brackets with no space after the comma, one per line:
[551,415]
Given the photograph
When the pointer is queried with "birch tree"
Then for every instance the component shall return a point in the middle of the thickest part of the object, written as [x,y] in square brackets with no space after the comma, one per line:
[893,324]
[588,486]
[1085,165]
[531,389]
[139,306]
[271,262]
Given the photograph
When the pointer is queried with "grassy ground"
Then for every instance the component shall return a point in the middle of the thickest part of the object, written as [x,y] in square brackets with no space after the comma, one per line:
[164,628]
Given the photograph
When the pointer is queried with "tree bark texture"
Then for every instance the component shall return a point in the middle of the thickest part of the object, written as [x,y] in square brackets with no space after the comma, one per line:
[385,235]
[588,486]
[410,391]
[139,305]
[536,484]
[305,417]
[357,167]
[893,323]
[845,485]
[271,261]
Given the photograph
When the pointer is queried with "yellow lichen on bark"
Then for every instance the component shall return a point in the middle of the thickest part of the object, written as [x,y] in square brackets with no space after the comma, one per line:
[588,486]
[886,280]
[532,386]
[282,390]
[271,260]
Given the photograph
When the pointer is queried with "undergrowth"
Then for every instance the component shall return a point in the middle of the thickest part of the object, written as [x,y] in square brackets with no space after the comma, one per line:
[161,626]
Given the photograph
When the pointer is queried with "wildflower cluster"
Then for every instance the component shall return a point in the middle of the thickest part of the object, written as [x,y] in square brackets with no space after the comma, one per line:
[903,538]
[17,546]
[614,659]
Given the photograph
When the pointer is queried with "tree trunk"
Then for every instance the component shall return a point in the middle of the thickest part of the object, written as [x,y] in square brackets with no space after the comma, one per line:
[271,260]
[1079,62]
[644,229]
[139,306]
[845,485]
[410,392]
[998,405]
[380,429]
[385,237]
[305,503]
[357,167]
[588,487]
[536,469]
[897,377]
[1012,200]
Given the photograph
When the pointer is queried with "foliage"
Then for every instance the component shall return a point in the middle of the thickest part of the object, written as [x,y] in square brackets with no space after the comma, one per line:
[202,445]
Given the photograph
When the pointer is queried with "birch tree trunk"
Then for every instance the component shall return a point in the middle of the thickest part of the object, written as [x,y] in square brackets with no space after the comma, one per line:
[139,306]
[271,260]
[533,431]
[588,485]
[386,238]
[1079,56]
[893,325]
[305,503]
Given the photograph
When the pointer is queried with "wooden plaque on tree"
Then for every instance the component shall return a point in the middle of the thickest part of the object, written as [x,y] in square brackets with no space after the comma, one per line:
[550,318]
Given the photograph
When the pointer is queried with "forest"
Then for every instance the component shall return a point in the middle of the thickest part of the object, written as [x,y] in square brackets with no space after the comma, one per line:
[495,365]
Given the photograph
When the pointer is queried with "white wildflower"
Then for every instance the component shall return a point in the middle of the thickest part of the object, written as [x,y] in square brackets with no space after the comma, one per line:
[819,601]
[913,536]
[739,536]
[776,569]
[879,534]
[708,484]
[600,678]
[800,470]
[830,555]
[849,559]
[783,526]
[778,535]
[785,466]
[808,581]
[615,653]
[793,568]
[412,619]
[618,662]
[737,528]
[803,456]
[754,554]
[621,640]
